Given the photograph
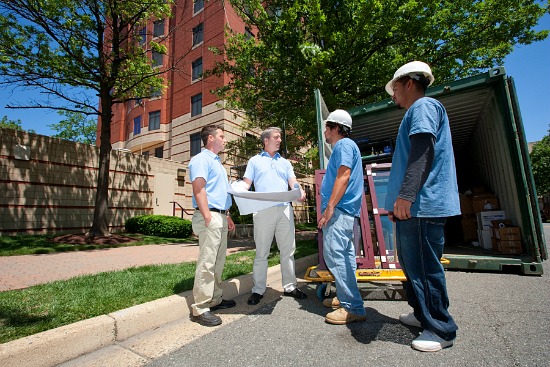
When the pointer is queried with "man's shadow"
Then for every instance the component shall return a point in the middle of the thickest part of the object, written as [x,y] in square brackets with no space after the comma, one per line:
[377,326]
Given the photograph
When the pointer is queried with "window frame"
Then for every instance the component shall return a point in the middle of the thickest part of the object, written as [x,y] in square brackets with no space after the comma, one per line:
[156,61]
[157,27]
[196,75]
[198,32]
[142,36]
[198,3]
[157,150]
[137,130]
[195,144]
[154,116]
[196,108]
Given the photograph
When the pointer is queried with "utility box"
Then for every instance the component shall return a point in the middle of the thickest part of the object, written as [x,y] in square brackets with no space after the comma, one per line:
[491,156]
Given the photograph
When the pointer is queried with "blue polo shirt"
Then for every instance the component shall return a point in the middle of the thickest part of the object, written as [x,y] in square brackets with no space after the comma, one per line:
[209,166]
[439,195]
[269,174]
[344,153]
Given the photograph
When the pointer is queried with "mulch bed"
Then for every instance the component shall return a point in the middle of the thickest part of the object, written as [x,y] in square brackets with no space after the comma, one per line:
[82,239]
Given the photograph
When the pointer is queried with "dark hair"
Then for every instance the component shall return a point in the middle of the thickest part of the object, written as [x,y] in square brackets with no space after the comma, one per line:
[419,80]
[209,130]
[342,130]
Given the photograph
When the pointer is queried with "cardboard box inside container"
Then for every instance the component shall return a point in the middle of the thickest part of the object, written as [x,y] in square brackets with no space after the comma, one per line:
[496,224]
[509,247]
[508,233]
[485,238]
[469,229]
[484,218]
[478,190]
[466,207]
[484,202]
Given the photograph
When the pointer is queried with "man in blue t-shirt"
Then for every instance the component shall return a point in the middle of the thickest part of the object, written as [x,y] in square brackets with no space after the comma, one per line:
[341,193]
[422,193]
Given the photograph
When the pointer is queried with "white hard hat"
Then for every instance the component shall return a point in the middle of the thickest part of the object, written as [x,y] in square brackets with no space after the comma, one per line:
[340,117]
[413,69]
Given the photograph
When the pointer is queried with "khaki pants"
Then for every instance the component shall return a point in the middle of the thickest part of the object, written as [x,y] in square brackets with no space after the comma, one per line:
[276,221]
[207,290]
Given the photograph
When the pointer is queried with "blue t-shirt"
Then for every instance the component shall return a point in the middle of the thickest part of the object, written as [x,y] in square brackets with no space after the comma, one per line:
[344,153]
[208,165]
[438,197]
[269,174]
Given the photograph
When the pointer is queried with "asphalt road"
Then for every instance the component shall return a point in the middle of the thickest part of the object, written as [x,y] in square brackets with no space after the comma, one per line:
[503,320]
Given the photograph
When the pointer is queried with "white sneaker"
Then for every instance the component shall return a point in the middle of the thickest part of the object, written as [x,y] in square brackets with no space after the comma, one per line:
[430,342]
[409,319]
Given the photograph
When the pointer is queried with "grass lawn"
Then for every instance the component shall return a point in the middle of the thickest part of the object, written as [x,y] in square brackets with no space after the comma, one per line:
[47,306]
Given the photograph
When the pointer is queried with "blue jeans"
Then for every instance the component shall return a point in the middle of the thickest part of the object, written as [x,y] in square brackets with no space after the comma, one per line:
[339,254]
[420,244]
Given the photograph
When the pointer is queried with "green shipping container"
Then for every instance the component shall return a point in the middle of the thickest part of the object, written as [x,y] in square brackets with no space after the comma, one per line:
[490,152]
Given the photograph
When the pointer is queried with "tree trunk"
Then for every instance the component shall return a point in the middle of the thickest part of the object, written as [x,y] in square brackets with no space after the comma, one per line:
[100,226]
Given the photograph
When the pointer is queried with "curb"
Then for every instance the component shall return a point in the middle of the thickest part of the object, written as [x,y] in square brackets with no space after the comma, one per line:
[105,332]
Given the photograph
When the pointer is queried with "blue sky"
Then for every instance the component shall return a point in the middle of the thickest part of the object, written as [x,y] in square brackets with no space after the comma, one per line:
[528,65]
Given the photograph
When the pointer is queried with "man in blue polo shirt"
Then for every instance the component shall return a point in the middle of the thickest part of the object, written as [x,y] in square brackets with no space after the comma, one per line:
[422,193]
[211,222]
[270,172]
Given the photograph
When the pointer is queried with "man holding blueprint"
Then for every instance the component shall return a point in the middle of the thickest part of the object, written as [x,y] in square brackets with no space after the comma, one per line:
[273,175]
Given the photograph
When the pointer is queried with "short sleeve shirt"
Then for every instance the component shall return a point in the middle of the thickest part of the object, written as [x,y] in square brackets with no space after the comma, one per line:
[438,197]
[269,174]
[208,165]
[344,153]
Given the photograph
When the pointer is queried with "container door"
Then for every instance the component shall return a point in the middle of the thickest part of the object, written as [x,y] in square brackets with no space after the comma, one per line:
[325,150]
[533,205]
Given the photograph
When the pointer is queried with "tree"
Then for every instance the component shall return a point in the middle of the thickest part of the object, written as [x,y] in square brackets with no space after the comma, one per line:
[6,123]
[77,127]
[350,49]
[540,163]
[63,46]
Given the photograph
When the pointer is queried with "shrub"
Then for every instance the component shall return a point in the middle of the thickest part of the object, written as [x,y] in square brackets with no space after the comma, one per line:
[160,225]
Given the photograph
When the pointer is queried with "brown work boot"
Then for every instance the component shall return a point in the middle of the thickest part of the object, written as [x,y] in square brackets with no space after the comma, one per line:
[331,303]
[342,316]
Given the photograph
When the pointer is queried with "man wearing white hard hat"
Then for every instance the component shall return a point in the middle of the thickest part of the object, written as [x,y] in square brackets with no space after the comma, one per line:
[422,193]
[341,193]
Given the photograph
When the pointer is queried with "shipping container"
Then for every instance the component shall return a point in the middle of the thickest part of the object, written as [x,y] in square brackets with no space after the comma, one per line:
[492,163]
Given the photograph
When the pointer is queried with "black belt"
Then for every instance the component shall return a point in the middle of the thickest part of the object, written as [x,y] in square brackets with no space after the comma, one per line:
[216,210]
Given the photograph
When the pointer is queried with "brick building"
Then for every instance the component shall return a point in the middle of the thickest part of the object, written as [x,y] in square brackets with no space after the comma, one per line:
[168,125]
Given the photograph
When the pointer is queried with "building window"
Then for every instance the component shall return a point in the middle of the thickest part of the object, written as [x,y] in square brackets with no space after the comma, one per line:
[145,153]
[198,5]
[155,93]
[159,152]
[196,104]
[248,33]
[154,120]
[195,140]
[142,34]
[137,125]
[198,34]
[158,28]
[157,58]
[197,69]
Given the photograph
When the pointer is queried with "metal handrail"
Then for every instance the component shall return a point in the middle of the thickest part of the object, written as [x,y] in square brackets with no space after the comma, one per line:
[174,203]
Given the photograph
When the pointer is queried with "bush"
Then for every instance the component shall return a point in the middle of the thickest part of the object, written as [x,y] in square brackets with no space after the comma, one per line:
[160,226]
